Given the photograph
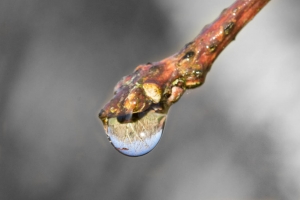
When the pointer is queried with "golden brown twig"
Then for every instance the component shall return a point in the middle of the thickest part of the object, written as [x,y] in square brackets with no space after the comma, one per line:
[165,81]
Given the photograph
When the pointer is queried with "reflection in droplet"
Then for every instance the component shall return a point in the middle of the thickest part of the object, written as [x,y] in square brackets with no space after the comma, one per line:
[137,137]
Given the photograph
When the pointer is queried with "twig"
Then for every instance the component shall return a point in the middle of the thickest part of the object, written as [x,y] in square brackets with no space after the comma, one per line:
[156,86]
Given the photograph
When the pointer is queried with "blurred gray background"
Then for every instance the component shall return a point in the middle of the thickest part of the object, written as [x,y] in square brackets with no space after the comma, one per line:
[236,137]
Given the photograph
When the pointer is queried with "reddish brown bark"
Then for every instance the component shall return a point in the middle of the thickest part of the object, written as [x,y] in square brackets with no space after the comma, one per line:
[156,86]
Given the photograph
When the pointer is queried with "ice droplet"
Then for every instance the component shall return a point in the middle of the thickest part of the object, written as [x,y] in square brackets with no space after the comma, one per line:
[138,136]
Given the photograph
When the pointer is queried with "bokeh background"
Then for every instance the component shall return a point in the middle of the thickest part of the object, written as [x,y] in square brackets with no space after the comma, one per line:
[236,137]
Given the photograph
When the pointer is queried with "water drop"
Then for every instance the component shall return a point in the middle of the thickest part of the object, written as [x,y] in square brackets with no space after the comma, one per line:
[211,47]
[188,55]
[228,27]
[138,135]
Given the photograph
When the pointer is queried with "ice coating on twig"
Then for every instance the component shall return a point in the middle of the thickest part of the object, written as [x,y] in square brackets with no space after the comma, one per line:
[154,87]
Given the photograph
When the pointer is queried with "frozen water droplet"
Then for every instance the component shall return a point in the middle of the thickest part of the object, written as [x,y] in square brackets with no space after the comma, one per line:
[138,136]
